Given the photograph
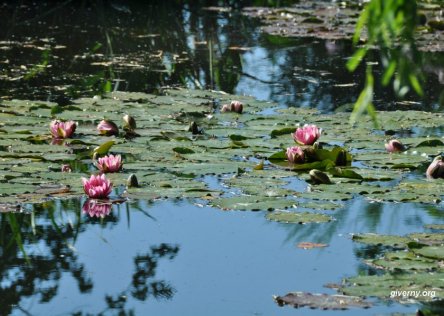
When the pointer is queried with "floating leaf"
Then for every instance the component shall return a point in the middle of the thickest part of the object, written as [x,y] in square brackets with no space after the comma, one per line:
[321,301]
[298,217]
[254,203]
[104,148]
[310,245]
[183,150]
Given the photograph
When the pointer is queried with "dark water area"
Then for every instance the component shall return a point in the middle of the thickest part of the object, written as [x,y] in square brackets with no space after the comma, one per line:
[177,257]
[60,50]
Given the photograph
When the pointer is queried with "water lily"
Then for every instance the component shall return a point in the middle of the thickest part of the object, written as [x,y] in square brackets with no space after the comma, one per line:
[394,146]
[107,128]
[97,187]
[236,106]
[436,168]
[95,208]
[110,163]
[307,135]
[61,129]
[295,154]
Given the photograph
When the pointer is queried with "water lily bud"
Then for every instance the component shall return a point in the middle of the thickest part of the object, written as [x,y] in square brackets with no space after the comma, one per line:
[341,158]
[129,123]
[66,168]
[107,128]
[436,168]
[307,135]
[236,106]
[394,146]
[295,154]
[132,181]
[319,177]
[317,145]
[194,128]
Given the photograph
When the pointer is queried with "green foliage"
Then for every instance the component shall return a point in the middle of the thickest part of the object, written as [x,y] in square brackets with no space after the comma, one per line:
[390,26]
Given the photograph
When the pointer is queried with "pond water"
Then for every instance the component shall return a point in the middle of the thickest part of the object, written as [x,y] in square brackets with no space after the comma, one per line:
[176,257]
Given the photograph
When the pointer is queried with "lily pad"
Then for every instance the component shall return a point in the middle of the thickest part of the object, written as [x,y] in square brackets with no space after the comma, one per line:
[298,217]
[254,203]
[321,301]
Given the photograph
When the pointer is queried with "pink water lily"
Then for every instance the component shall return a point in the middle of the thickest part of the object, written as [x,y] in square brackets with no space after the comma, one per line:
[436,168]
[307,135]
[61,129]
[97,187]
[107,128]
[295,154]
[110,163]
[95,208]
[394,146]
[236,106]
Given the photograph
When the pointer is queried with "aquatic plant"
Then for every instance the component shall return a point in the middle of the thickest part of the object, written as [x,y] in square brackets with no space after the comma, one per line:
[61,129]
[110,163]
[234,106]
[307,135]
[132,181]
[107,128]
[129,123]
[97,187]
[436,168]
[394,146]
[295,154]
[65,168]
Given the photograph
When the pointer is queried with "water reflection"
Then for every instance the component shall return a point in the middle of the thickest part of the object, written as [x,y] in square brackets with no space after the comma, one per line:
[131,256]
[361,216]
[96,208]
[39,248]
[96,48]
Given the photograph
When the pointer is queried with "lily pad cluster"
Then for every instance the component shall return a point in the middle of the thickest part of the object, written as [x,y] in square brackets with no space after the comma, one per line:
[236,161]
[337,20]
[414,262]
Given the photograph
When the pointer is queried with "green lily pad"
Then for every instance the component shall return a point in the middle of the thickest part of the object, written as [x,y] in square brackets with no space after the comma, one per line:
[403,260]
[298,217]
[385,286]
[434,252]
[321,301]
[254,203]
[383,240]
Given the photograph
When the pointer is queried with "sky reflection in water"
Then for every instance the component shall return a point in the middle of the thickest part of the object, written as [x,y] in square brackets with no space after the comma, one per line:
[179,258]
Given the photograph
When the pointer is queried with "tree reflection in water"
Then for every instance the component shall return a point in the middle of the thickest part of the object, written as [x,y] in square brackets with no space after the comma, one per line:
[37,248]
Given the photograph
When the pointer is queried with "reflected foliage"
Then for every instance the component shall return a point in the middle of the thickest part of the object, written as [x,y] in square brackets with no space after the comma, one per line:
[146,266]
[97,47]
[33,264]
[39,276]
